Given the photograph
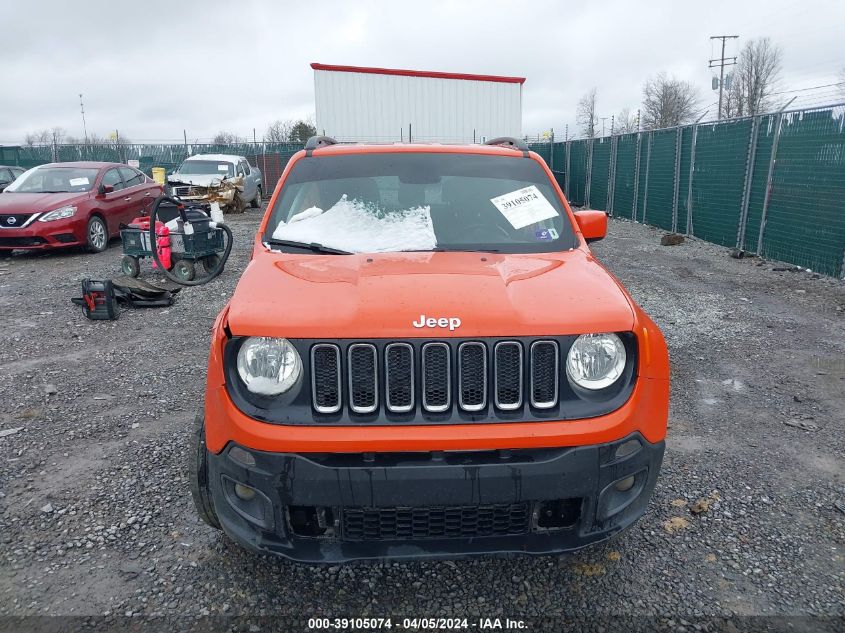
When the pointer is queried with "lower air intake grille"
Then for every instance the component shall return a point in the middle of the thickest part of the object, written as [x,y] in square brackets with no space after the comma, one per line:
[375,524]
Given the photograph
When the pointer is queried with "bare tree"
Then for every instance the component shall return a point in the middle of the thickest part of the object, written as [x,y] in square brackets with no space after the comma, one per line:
[585,115]
[625,122]
[842,82]
[668,102]
[279,131]
[46,137]
[227,138]
[754,79]
[41,137]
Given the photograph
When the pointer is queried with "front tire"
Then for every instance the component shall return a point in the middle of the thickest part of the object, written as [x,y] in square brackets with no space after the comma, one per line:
[97,235]
[256,202]
[198,475]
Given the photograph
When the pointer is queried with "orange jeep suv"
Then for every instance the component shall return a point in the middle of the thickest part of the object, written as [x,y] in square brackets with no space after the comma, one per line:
[424,359]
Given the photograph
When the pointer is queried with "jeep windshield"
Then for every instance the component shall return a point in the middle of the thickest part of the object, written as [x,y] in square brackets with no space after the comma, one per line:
[415,201]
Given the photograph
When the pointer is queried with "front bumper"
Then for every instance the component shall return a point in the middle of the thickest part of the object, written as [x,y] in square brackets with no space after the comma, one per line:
[332,507]
[43,236]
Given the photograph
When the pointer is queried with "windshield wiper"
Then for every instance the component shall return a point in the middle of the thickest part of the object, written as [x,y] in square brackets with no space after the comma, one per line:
[311,246]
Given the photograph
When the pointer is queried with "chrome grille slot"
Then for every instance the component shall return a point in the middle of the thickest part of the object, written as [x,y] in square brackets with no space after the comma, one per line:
[325,378]
[436,377]
[472,376]
[399,376]
[508,376]
[363,379]
[545,372]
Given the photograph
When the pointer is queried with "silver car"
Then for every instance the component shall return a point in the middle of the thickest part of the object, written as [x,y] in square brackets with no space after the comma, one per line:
[206,176]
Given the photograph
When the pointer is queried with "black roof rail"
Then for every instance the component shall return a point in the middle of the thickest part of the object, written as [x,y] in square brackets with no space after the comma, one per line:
[509,141]
[319,141]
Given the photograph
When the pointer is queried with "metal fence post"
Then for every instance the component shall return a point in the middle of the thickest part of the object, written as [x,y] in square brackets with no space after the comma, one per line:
[611,175]
[691,174]
[749,177]
[647,167]
[636,177]
[772,160]
[589,173]
[552,150]
[566,173]
[676,179]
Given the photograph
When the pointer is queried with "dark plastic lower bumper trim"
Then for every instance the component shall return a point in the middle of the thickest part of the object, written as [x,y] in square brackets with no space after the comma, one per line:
[411,480]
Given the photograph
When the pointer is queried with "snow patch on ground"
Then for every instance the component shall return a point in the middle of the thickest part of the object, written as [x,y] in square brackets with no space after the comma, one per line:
[351,225]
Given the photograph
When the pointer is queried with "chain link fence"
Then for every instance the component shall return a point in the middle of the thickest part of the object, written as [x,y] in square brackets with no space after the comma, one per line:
[773,184]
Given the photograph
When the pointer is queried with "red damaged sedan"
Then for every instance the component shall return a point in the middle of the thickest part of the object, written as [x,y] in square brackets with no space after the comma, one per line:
[72,204]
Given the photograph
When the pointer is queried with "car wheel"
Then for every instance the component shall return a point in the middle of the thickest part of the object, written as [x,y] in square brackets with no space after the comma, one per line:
[130,266]
[97,235]
[256,203]
[198,475]
[184,270]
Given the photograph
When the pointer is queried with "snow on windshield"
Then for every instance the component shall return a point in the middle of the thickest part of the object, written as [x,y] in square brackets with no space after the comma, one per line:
[351,225]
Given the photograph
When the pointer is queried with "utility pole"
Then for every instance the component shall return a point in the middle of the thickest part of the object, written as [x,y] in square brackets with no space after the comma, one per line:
[84,128]
[721,63]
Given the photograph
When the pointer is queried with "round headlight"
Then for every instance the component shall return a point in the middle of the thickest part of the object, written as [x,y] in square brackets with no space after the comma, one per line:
[595,361]
[268,366]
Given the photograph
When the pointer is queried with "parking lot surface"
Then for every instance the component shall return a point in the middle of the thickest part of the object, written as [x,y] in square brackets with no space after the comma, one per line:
[748,516]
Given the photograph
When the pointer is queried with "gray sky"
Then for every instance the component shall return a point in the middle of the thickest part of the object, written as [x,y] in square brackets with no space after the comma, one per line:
[152,68]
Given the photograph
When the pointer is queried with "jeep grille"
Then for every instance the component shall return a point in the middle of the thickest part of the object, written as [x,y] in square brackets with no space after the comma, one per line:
[434,377]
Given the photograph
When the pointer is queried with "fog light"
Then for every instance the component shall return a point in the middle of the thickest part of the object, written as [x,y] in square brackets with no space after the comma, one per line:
[623,485]
[245,493]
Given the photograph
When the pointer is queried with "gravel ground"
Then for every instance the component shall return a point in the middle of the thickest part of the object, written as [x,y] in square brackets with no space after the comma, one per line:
[748,517]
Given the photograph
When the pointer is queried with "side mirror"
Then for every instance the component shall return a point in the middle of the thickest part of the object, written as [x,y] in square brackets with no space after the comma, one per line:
[593,224]
[104,189]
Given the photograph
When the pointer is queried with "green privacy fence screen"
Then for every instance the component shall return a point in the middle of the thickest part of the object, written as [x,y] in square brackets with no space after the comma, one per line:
[723,181]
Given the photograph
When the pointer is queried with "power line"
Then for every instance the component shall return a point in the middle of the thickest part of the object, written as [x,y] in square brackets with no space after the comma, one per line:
[783,92]
[722,63]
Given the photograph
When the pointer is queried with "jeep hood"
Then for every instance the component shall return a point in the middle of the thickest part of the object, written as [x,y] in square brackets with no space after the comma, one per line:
[380,295]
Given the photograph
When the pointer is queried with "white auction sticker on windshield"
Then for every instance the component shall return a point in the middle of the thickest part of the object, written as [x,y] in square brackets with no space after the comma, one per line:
[222,168]
[524,207]
[78,182]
